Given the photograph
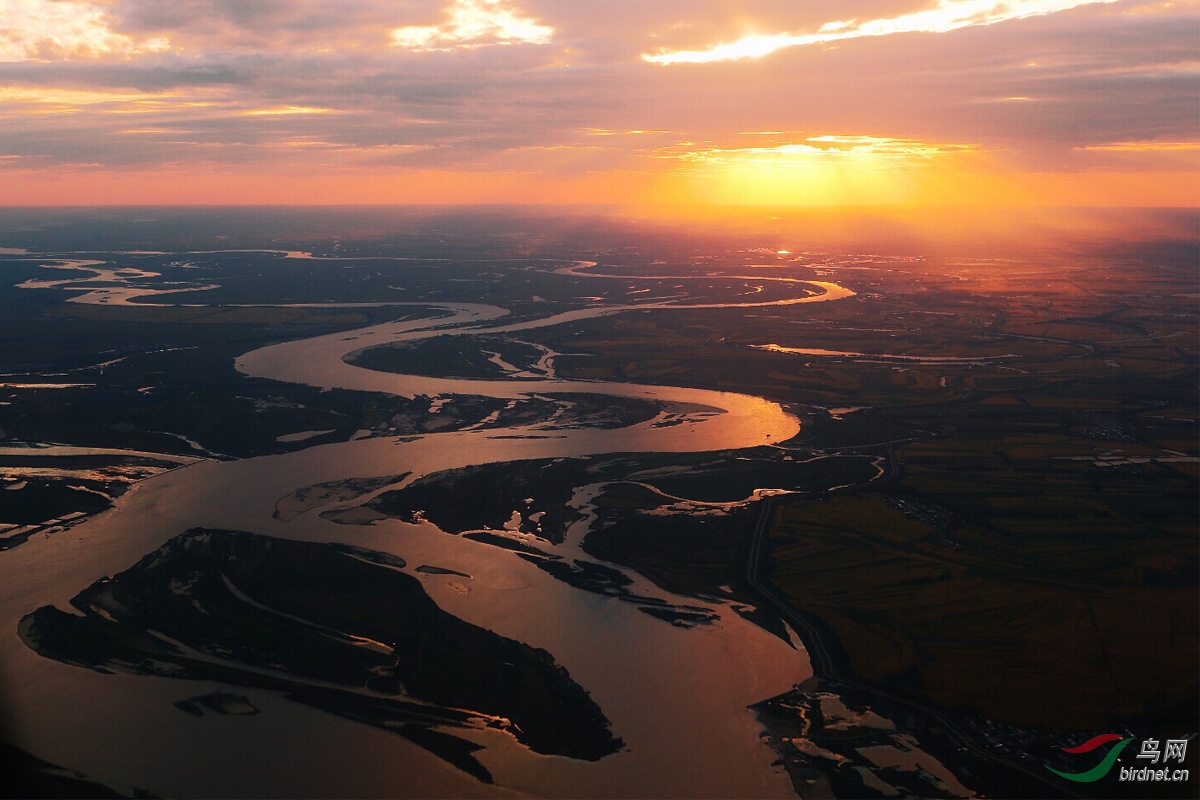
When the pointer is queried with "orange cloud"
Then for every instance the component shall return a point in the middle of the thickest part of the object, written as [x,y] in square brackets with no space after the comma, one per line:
[471,23]
[63,29]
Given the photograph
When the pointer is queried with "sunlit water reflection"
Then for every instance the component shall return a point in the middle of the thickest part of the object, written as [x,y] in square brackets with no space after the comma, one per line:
[676,696]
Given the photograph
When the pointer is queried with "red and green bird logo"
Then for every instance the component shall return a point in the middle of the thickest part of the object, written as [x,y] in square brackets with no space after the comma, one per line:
[1100,770]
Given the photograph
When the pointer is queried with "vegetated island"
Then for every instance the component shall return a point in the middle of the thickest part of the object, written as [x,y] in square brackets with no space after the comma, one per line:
[296,617]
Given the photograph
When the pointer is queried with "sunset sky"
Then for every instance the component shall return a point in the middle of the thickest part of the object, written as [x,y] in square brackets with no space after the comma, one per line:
[628,102]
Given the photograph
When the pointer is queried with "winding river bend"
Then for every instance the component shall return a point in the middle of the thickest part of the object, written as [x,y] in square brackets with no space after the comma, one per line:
[677,697]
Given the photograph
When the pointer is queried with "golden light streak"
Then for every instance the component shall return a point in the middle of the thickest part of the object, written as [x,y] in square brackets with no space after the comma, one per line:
[72,97]
[280,111]
[1161,8]
[471,23]
[311,143]
[43,101]
[873,149]
[1142,147]
[634,132]
[946,16]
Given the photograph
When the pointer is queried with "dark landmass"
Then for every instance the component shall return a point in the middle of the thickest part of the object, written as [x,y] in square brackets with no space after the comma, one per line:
[473,357]
[452,357]
[503,542]
[834,745]
[157,401]
[161,376]
[680,619]
[426,569]
[1055,640]
[25,776]
[487,496]
[687,554]
[279,615]
[322,494]
[697,554]
[599,411]
[45,492]
[700,553]
[407,720]
[603,579]
[730,478]
[219,703]
[587,575]
[40,500]
[154,375]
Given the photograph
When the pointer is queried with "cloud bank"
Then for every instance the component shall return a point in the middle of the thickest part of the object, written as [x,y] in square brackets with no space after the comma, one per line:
[521,92]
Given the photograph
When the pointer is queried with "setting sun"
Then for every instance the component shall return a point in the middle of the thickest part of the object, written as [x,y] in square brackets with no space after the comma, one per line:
[825,170]
[1036,102]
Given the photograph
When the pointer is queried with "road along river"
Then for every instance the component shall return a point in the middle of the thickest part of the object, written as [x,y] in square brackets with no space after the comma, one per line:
[676,696]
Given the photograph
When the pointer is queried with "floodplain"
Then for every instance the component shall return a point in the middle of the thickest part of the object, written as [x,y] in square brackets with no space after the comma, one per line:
[961,536]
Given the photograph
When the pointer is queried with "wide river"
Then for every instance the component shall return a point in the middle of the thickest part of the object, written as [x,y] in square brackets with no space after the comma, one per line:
[677,697]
